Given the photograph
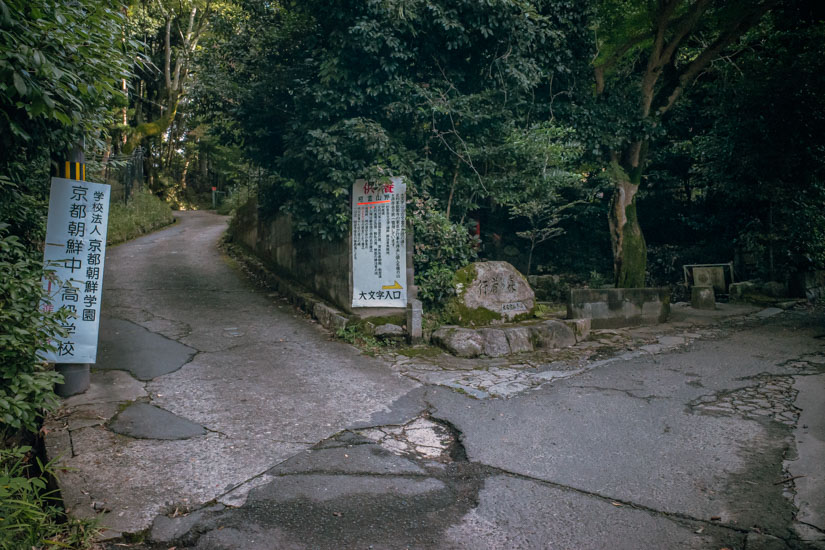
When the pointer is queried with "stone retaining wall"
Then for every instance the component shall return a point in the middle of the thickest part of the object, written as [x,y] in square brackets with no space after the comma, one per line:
[321,266]
[619,307]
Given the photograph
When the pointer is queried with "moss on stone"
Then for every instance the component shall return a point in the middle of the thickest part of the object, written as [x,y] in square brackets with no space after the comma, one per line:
[459,314]
[634,248]
[760,299]
[420,351]
[464,277]
[527,315]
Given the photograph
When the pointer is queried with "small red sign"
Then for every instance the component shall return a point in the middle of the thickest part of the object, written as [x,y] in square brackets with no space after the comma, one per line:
[214,189]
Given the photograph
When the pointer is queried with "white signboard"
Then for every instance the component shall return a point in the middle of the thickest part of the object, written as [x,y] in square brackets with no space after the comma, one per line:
[379,244]
[75,249]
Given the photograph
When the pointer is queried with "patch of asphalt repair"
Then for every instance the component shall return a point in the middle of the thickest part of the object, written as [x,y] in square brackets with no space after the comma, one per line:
[144,421]
[145,354]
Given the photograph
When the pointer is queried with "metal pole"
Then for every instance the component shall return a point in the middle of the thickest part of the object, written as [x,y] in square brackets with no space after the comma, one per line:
[76,376]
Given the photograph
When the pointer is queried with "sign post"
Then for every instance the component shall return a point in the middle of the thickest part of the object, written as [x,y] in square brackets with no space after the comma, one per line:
[379,244]
[75,250]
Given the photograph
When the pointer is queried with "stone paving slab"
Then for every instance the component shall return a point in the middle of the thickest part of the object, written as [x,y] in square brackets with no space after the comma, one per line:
[806,467]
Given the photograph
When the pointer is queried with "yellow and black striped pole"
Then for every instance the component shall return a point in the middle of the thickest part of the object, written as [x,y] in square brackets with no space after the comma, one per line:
[73,171]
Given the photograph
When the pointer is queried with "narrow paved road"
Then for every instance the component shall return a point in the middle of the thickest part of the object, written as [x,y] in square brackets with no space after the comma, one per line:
[200,342]
[220,419]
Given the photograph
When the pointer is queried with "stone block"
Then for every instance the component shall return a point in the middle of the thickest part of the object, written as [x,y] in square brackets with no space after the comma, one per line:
[494,342]
[328,317]
[619,307]
[552,334]
[580,328]
[519,339]
[702,297]
[388,331]
[415,311]
[462,342]
[712,276]
[738,291]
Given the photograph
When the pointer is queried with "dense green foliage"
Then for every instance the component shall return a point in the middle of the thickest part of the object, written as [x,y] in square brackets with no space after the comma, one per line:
[648,54]
[26,386]
[430,90]
[740,174]
[181,162]
[440,249]
[506,112]
[770,168]
[60,71]
[30,513]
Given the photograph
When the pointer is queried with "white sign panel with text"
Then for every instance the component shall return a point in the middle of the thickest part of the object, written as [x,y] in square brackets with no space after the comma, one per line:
[75,250]
[379,244]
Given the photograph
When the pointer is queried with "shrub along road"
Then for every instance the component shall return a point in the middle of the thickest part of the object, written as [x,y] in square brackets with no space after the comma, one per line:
[220,418]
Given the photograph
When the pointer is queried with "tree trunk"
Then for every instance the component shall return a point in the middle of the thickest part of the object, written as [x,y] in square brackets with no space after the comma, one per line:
[629,248]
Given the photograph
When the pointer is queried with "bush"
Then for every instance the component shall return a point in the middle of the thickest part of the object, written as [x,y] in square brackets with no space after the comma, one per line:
[144,213]
[441,248]
[26,385]
[30,513]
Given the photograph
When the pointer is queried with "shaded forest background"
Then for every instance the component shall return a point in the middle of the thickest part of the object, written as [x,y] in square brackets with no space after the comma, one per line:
[507,118]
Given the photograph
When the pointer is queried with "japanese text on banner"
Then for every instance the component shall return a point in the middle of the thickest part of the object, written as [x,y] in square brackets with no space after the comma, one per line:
[73,258]
[379,260]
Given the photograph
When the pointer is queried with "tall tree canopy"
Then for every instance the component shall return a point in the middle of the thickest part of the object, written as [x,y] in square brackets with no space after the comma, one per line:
[323,93]
[740,173]
[648,54]
[61,68]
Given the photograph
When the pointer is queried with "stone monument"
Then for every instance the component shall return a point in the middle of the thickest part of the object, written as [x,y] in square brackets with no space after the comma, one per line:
[490,293]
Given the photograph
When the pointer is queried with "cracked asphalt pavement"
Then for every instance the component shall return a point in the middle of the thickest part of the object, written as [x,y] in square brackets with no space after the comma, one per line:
[221,418]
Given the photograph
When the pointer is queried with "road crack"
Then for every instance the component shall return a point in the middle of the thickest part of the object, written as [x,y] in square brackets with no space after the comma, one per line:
[629,393]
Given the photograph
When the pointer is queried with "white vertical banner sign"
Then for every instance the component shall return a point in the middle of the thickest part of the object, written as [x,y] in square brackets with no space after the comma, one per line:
[379,244]
[75,250]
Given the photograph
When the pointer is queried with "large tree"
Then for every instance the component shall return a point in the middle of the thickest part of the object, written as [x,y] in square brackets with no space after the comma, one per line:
[170,32]
[648,53]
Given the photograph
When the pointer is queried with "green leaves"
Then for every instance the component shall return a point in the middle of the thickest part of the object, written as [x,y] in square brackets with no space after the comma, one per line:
[357,90]
[30,515]
[20,85]
[441,248]
[60,66]
[26,385]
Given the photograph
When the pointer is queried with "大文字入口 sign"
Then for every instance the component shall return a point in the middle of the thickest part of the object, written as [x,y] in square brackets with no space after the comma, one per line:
[379,244]
[74,252]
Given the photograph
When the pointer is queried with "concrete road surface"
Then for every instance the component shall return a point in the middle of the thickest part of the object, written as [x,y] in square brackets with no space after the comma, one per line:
[220,418]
